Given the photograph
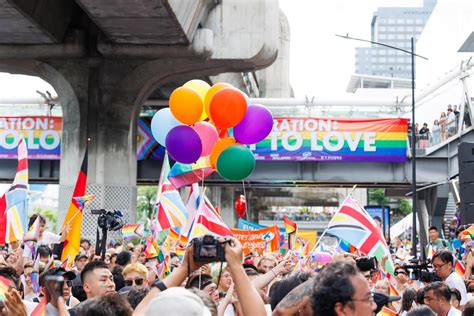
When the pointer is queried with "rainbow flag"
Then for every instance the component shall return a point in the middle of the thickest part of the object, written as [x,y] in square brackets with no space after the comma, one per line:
[14,203]
[348,140]
[347,247]
[150,250]
[180,250]
[459,268]
[80,201]
[181,175]
[4,285]
[386,312]
[40,309]
[468,232]
[429,252]
[74,215]
[129,231]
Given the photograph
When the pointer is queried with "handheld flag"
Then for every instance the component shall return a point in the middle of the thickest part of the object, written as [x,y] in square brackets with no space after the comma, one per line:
[291,229]
[74,215]
[459,268]
[14,203]
[353,224]
[171,211]
[181,175]
[80,201]
[207,222]
[40,309]
[130,231]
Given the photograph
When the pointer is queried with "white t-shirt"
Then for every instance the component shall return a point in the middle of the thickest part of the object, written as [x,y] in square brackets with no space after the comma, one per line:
[454,312]
[454,281]
[50,238]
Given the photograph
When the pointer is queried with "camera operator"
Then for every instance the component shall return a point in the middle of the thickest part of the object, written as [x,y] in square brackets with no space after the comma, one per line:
[443,264]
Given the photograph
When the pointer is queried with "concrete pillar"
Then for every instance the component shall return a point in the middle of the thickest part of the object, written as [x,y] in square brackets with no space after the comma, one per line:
[106,119]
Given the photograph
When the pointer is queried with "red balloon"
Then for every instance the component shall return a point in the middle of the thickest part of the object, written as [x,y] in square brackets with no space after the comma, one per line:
[241,205]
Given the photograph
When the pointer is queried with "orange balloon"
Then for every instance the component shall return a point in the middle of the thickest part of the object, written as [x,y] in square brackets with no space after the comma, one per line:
[228,107]
[210,94]
[186,105]
[219,148]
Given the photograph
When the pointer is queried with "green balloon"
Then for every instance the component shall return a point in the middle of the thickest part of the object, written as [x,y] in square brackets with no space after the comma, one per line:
[235,163]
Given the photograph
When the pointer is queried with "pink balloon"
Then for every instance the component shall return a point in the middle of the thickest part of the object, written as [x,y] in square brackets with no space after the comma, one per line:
[209,136]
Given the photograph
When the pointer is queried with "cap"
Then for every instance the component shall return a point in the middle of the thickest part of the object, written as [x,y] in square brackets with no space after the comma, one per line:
[382,299]
[67,274]
[81,255]
[177,301]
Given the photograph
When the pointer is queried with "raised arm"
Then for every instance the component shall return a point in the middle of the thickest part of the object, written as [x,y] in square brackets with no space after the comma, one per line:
[250,300]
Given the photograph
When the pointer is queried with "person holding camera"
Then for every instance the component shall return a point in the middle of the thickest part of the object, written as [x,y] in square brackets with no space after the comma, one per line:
[443,265]
[249,299]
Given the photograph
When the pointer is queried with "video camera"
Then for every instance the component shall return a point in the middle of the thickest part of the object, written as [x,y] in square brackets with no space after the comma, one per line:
[421,272]
[367,264]
[109,220]
[208,249]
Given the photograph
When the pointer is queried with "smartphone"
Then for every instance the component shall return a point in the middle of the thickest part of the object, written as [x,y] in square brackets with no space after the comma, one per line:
[54,284]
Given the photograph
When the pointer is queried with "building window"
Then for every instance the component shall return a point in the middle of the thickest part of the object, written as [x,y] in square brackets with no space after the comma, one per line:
[382,52]
[382,28]
[391,28]
[382,36]
[382,59]
[391,36]
[391,60]
[400,28]
[419,21]
[391,21]
[400,21]
[410,28]
[400,36]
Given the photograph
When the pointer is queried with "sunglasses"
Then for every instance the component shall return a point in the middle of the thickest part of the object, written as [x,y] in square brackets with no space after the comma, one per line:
[68,283]
[137,281]
[400,272]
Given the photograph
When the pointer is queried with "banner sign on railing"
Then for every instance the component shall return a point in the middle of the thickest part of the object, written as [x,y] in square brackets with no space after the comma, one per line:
[294,139]
[346,140]
[42,135]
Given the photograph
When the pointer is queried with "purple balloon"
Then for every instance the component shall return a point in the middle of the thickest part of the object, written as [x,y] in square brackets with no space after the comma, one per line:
[183,144]
[255,126]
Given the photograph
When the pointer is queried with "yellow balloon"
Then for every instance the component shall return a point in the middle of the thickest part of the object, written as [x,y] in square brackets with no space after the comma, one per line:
[210,94]
[202,88]
[199,85]
[186,105]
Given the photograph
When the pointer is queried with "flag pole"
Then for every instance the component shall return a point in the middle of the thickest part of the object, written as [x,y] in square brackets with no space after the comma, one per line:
[324,232]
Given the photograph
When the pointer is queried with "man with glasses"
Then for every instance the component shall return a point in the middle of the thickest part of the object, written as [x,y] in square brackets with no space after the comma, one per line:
[340,289]
[443,264]
[136,275]
[437,297]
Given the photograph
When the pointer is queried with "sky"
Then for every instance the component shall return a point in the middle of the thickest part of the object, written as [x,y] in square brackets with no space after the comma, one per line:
[321,63]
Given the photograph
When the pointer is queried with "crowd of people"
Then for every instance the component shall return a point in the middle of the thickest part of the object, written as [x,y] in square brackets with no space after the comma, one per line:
[444,127]
[201,282]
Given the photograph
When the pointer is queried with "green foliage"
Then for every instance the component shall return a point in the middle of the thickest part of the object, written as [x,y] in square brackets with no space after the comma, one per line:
[377,197]
[405,206]
[50,215]
[146,197]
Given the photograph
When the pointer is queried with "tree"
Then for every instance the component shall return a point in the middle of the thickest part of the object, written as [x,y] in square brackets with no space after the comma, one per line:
[146,198]
[405,207]
[378,197]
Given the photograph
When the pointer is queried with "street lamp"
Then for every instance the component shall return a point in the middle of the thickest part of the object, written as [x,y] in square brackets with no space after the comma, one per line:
[413,136]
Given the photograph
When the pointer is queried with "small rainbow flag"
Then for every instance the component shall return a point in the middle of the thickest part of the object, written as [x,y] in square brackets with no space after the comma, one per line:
[40,309]
[180,250]
[459,268]
[290,228]
[80,201]
[181,175]
[468,232]
[429,254]
[347,247]
[130,231]
[150,250]
[4,285]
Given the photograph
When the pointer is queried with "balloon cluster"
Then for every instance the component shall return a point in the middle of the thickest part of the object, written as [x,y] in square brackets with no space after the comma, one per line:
[214,122]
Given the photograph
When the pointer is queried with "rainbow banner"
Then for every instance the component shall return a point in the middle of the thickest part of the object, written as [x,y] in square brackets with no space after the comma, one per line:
[42,135]
[343,140]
